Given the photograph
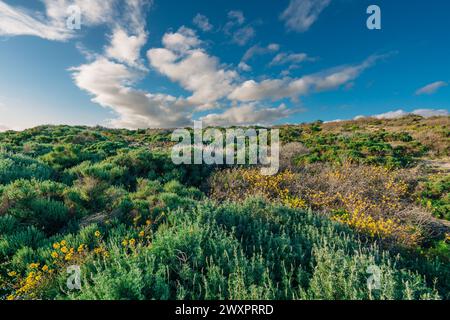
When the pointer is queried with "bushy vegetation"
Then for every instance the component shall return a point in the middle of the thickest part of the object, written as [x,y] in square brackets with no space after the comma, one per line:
[112,202]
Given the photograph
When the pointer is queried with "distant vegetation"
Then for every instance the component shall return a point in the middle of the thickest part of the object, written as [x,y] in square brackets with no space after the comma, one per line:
[349,195]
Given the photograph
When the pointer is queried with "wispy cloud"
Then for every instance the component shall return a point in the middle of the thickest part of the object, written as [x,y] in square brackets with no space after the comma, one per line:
[51,24]
[431,88]
[259,50]
[276,89]
[300,15]
[289,58]
[202,22]
[240,34]
[17,22]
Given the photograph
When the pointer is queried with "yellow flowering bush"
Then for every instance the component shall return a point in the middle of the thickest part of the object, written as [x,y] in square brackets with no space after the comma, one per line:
[372,196]
[274,188]
[38,277]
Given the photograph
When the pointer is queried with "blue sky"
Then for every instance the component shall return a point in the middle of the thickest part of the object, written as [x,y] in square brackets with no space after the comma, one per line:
[163,63]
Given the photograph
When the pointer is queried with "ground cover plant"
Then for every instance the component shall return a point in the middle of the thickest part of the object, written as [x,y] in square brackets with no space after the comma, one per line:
[348,196]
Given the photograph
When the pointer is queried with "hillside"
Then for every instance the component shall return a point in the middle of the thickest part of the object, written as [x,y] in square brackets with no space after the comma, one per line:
[349,196]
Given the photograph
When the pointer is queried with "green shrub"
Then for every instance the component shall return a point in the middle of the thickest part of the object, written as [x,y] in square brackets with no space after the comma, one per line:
[14,167]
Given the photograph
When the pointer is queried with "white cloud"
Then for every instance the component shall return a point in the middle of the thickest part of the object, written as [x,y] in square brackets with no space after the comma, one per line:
[258,50]
[392,114]
[94,12]
[431,88]
[289,58]
[236,17]
[202,22]
[247,114]
[51,24]
[129,33]
[181,41]
[16,22]
[126,48]
[244,67]
[240,35]
[426,113]
[243,35]
[4,128]
[110,84]
[300,15]
[276,89]
[195,70]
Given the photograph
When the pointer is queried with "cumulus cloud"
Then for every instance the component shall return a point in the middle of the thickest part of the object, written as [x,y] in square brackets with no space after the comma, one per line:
[181,41]
[190,66]
[125,47]
[110,78]
[276,89]
[110,84]
[244,67]
[431,88]
[300,15]
[129,34]
[247,114]
[202,22]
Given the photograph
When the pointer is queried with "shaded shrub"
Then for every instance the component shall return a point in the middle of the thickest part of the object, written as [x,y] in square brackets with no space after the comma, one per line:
[15,167]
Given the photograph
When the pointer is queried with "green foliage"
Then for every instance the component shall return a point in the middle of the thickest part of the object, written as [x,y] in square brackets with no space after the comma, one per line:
[435,194]
[249,251]
[14,167]
[365,148]
[102,188]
